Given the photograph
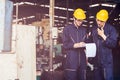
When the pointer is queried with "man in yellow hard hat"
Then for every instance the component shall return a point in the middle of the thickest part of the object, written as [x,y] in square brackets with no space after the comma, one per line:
[105,37]
[74,43]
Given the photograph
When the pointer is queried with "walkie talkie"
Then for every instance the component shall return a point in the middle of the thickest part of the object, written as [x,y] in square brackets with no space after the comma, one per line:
[100,28]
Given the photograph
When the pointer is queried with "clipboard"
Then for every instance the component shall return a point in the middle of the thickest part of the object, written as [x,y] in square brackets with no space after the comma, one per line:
[90,49]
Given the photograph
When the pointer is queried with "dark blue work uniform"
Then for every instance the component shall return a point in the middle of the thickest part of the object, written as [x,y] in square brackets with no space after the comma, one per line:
[75,65]
[104,60]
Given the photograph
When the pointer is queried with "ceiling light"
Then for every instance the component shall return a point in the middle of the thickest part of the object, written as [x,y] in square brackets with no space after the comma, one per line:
[91,25]
[94,5]
[108,5]
[21,3]
[116,19]
[91,16]
[15,20]
[29,3]
[91,22]
[84,25]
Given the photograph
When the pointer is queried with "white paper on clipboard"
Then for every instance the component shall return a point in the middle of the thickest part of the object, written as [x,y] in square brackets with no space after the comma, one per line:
[90,49]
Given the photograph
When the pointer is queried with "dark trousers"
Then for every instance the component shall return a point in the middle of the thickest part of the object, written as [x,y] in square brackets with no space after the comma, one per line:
[103,73]
[79,74]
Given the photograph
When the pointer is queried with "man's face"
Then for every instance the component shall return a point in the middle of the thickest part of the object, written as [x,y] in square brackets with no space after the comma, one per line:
[100,23]
[78,22]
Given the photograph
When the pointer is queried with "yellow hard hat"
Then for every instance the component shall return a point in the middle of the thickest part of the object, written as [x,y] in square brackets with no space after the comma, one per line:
[102,15]
[79,14]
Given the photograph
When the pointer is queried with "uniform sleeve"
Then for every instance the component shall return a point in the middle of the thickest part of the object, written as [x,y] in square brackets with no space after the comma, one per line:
[67,44]
[111,40]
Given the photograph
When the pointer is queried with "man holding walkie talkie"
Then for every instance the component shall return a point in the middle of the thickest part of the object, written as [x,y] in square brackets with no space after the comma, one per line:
[105,37]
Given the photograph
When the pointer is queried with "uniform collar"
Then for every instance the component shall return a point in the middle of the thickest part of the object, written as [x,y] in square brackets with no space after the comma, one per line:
[73,25]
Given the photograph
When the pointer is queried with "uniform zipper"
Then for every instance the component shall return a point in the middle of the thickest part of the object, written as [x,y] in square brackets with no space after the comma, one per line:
[78,50]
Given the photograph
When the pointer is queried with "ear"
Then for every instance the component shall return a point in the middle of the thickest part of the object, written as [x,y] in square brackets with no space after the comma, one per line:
[96,20]
[73,18]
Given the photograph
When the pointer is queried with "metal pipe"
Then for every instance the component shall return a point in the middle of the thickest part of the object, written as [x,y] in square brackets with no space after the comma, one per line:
[17,12]
[67,13]
[51,14]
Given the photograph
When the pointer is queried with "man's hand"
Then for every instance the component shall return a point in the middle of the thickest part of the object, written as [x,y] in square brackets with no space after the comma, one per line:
[101,33]
[78,45]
